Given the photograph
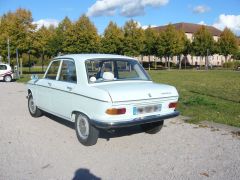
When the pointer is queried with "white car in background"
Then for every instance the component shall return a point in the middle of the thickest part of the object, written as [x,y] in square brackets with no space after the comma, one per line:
[6,73]
[101,91]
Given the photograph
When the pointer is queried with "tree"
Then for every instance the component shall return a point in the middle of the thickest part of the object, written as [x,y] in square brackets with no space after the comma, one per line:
[81,37]
[150,41]
[170,43]
[18,28]
[185,47]
[203,44]
[227,43]
[56,45]
[112,40]
[133,39]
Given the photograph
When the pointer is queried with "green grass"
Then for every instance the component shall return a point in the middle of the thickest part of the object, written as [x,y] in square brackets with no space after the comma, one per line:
[205,95]
[212,95]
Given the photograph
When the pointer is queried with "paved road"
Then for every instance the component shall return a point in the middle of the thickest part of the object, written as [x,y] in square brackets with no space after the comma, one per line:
[47,148]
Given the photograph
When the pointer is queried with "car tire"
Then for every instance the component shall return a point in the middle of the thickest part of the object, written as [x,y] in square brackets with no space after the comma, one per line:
[152,128]
[86,133]
[7,78]
[33,109]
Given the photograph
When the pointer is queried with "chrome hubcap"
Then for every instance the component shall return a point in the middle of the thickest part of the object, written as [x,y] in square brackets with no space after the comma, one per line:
[7,79]
[32,106]
[82,127]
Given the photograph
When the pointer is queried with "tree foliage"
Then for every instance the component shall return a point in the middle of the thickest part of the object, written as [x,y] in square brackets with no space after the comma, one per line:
[150,41]
[170,42]
[133,39]
[227,43]
[112,40]
[203,43]
[18,28]
[81,37]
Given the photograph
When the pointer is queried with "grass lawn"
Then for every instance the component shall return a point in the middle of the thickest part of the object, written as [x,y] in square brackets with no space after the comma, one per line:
[205,95]
[212,95]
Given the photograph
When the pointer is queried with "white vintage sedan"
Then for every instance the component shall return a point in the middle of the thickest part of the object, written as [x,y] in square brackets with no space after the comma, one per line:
[99,91]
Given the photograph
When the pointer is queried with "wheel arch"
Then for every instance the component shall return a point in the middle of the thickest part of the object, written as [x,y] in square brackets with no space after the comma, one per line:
[75,112]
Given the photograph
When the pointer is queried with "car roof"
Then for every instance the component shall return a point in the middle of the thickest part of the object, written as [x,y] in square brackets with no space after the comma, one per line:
[83,57]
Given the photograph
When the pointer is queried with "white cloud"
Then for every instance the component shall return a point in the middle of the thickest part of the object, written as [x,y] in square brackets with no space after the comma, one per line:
[144,26]
[128,8]
[201,9]
[202,23]
[46,23]
[230,21]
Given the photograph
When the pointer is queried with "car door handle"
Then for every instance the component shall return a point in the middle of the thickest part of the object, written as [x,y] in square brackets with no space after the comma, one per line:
[69,88]
[49,84]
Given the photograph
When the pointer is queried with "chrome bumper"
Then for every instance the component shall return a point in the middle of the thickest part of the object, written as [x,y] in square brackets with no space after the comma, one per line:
[137,121]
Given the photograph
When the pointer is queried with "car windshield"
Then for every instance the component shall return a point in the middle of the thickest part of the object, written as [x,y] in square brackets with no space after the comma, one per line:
[102,70]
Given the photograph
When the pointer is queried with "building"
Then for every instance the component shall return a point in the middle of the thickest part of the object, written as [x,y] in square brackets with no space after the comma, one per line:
[189,29]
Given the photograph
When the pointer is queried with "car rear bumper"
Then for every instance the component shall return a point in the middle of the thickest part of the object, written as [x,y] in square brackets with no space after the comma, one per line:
[137,121]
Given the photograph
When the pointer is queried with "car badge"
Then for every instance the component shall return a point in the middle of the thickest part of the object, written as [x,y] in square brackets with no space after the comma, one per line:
[149,94]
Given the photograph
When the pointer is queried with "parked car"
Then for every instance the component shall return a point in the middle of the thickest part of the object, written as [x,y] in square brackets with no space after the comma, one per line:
[98,91]
[6,73]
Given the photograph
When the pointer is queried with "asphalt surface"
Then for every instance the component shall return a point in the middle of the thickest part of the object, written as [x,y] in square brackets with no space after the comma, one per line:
[47,148]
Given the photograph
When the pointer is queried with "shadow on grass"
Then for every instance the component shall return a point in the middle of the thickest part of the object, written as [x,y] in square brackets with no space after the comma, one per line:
[104,134]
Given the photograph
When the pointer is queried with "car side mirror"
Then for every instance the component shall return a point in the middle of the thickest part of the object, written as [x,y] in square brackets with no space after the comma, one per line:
[34,77]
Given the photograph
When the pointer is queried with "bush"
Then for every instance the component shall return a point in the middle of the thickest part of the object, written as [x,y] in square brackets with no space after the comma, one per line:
[231,65]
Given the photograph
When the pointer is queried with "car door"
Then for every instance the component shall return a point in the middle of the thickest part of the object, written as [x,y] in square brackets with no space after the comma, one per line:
[45,86]
[62,98]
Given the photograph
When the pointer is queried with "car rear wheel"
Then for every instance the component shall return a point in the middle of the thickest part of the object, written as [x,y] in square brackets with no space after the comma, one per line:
[8,78]
[33,109]
[152,128]
[86,133]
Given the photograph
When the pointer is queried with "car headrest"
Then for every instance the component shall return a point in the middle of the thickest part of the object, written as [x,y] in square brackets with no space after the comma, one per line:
[108,76]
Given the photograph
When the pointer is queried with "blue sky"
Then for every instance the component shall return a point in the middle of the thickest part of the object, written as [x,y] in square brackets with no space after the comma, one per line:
[147,12]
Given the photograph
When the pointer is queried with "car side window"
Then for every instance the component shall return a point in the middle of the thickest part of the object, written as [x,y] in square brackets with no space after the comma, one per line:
[3,67]
[53,70]
[68,72]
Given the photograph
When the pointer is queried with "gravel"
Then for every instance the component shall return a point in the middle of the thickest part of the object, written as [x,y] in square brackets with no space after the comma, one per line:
[47,148]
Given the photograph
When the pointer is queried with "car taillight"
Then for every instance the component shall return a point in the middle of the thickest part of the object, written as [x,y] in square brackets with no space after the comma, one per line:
[116,111]
[172,105]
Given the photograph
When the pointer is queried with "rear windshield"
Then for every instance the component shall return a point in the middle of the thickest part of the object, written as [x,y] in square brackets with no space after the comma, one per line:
[101,70]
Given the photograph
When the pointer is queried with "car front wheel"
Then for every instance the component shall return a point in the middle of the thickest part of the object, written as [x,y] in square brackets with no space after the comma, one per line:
[33,109]
[86,133]
[152,128]
[8,78]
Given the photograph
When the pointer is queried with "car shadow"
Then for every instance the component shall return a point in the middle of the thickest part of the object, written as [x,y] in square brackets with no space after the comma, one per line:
[104,134]
[81,174]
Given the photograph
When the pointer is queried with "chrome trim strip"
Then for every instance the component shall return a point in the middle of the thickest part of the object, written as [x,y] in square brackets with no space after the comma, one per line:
[69,92]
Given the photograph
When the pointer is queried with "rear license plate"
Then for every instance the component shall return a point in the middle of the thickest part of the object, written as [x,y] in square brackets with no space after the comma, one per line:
[146,109]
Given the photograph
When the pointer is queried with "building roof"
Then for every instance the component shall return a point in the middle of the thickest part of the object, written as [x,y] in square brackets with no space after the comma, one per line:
[191,28]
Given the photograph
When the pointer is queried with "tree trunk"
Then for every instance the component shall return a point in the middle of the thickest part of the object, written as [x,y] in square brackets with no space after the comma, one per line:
[21,67]
[168,62]
[165,61]
[200,64]
[206,62]
[42,61]
[180,63]
[149,66]
[226,60]
[185,61]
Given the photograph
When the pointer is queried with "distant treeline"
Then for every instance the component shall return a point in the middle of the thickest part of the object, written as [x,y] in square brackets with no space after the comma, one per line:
[82,36]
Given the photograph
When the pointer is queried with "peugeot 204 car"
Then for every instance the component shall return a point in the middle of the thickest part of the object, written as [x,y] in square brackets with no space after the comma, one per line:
[98,91]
